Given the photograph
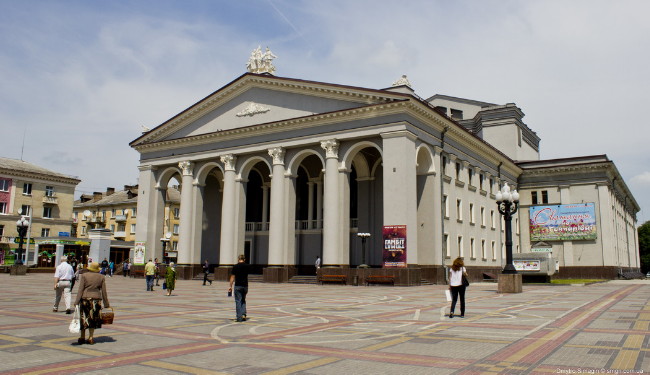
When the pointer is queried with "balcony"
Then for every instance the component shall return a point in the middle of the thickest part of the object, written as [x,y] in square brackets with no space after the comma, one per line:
[119,234]
[96,219]
[50,200]
[120,218]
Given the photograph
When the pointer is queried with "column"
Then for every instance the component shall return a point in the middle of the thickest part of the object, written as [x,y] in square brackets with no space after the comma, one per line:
[310,205]
[567,246]
[149,228]
[319,204]
[277,222]
[400,187]
[331,203]
[227,245]
[265,206]
[186,229]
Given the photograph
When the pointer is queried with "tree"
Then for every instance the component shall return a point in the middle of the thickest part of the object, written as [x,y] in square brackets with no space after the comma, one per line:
[644,246]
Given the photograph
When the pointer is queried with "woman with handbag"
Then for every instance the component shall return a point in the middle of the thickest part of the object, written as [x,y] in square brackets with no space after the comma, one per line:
[457,284]
[90,297]
[170,278]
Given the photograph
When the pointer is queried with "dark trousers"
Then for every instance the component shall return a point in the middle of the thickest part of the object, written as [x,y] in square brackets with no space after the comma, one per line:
[149,279]
[205,278]
[240,301]
[455,292]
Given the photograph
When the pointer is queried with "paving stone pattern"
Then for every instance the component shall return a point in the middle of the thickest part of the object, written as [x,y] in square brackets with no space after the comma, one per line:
[332,329]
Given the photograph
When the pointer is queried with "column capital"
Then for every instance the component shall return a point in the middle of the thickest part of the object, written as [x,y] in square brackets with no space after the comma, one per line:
[229,161]
[186,166]
[148,167]
[277,153]
[331,147]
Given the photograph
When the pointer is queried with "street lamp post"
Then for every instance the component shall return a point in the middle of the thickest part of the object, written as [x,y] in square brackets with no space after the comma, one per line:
[508,202]
[21,225]
[165,241]
[364,237]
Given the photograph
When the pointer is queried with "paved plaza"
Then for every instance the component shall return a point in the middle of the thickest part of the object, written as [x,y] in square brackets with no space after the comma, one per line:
[331,329]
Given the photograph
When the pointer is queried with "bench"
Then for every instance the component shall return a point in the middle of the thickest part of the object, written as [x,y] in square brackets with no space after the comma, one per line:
[332,278]
[136,272]
[380,279]
[489,277]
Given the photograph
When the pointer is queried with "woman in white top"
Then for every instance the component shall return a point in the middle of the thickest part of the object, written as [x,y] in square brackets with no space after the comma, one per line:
[456,286]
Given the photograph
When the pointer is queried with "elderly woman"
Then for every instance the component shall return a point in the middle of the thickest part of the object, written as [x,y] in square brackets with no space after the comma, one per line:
[170,278]
[90,296]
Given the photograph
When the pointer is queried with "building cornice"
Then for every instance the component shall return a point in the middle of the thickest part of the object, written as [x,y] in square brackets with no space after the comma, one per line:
[13,173]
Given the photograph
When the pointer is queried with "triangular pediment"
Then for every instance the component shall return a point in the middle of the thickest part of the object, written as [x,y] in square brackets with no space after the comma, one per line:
[254,99]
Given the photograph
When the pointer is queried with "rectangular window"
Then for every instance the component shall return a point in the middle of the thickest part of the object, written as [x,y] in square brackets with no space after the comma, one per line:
[175,231]
[134,212]
[27,189]
[113,212]
[47,212]
[493,247]
[492,221]
[459,209]
[460,246]
[83,230]
[49,191]
[471,213]
[445,204]
[177,213]
[45,232]
[472,250]
[483,250]
[544,197]
[533,197]
[4,185]
[113,228]
[103,215]
[481,177]
[132,228]
[121,227]
[470,176]
[519,137]
[517,225]
[25,209]
[2,230]
[444,165]
[483,217]
[3,208]
[445,243]
[456,114]
[458,171]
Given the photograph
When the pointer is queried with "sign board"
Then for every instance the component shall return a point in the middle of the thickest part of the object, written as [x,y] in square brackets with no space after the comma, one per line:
[394,254]
[139,251]
[527,265]
[564,222]
[541,250]
[64,234]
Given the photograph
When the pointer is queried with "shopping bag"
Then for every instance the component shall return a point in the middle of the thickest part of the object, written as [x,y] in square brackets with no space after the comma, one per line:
[164,285]
[448,294]
[75,324]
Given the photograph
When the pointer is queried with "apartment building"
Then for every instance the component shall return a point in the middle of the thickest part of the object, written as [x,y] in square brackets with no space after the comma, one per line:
[45,196]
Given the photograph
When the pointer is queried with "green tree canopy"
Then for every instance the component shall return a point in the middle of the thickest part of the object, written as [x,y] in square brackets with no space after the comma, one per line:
[644,246]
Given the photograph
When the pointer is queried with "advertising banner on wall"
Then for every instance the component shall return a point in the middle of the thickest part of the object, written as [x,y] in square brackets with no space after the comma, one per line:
[139,253]
[394,246]
[563,222]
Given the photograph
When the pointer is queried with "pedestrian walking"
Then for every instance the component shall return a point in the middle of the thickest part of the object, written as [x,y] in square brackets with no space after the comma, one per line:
[104,266]
[92,296]
[63,276]
[170,278]
[126,268]
[239,278]
[157,274]
[456,286]
[149,274]
[111,268]
[206,272]
[317,264]
[72,261]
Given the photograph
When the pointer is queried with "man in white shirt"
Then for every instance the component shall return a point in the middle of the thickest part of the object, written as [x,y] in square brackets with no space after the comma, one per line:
[62,284]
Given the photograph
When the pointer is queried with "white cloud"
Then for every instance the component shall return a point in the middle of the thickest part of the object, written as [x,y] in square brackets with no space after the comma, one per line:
[642,179]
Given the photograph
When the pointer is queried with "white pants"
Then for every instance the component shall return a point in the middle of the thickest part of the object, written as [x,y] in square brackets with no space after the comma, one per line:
[63,287]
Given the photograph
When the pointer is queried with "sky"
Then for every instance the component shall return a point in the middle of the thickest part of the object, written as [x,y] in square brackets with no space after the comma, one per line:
[81,78]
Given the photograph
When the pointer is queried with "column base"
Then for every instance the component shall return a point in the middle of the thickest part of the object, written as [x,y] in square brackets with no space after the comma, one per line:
[277,274]
[18,269]
[510,283]
[222,273]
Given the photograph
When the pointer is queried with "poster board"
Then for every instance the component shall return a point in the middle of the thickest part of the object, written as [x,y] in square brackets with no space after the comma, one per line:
[139,252]
[394,253]
[565,222]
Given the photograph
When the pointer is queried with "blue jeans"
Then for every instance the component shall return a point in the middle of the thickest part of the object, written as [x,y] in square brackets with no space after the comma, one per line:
[149,279]
[240,301]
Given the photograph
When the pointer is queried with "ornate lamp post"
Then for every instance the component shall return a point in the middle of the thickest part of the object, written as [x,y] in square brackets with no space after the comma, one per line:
[508,203]
[165,241]
[21,225]
[364,237]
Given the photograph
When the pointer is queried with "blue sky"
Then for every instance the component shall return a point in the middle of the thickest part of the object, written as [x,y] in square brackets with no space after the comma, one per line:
[80,78]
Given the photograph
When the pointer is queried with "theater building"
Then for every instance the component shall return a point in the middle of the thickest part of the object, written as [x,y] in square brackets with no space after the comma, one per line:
[284,170]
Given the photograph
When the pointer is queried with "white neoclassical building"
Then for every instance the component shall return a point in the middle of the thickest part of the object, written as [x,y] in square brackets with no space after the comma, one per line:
[285,170]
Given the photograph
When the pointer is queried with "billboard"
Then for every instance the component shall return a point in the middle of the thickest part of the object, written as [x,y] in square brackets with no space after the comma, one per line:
[139,253]
[564,222]
[394,246]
